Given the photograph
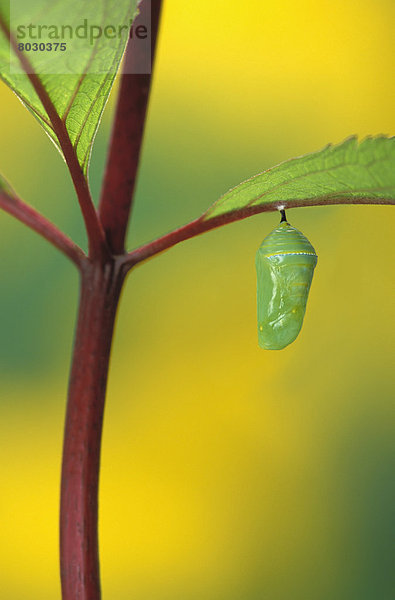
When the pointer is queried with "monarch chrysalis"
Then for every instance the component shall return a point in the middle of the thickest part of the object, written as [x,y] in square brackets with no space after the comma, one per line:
[285,263]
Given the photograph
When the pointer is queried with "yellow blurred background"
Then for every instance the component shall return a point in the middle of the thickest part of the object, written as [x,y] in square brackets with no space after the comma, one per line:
[228,472]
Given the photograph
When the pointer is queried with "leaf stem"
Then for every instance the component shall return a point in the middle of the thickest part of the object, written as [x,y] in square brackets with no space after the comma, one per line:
[204,223]
[96,238]
[127,136]
[37,222]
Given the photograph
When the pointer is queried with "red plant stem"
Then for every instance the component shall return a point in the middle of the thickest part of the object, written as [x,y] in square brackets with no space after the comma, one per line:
[36,221]
[127,136]
[100,291]
[101,284]
[96,238]
[205,223]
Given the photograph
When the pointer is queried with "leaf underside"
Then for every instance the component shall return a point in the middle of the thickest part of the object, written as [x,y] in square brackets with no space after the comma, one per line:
[79,96]
[344,172]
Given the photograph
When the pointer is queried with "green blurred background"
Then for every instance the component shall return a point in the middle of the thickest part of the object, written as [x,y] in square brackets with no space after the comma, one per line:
[228,472]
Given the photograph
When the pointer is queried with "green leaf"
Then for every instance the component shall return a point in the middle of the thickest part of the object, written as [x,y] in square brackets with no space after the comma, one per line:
[343,173]
[78,80]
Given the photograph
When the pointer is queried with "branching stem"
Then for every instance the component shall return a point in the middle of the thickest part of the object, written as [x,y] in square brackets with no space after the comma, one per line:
[203,224]
[36,221]
[101,283]
[96,238]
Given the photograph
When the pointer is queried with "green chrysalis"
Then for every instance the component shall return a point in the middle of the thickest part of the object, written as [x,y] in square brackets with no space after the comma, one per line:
[285,263]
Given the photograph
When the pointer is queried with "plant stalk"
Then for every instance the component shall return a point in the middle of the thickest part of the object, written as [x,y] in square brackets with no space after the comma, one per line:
[102,278]
[127,134]
[79,558]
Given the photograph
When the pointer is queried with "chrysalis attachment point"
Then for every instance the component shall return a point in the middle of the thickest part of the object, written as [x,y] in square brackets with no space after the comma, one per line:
[283,216]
